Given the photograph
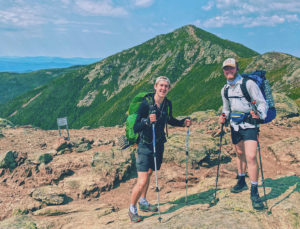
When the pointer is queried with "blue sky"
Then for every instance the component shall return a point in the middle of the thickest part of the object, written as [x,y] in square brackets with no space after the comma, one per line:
[99,28]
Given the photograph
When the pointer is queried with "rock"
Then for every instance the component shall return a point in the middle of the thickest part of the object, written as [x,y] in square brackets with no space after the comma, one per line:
[82,188]
[285,106]
[108,142]
[50,212]
[200,147]
[45,158]
[5,123]
[83,147]
[17,222]
[1,134]
[50,195]
[287,150]
[61,144]
[43,145]
[114,166]
[26,206]
[8,160]
[85,128]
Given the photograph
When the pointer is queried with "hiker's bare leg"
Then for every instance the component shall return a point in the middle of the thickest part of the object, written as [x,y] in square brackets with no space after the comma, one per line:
[241,157]
[250,151]
[145,189]
[139,186]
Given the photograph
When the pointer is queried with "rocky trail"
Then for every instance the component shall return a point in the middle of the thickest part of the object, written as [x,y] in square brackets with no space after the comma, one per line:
[49,182]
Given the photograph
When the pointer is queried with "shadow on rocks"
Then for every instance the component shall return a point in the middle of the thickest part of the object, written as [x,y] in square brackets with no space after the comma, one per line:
[198,198]
[280,186]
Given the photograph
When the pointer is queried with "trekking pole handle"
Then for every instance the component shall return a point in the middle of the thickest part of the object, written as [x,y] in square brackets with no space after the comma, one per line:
[189,118]
[152,111]
[253,104]
[223,115]
[254,108]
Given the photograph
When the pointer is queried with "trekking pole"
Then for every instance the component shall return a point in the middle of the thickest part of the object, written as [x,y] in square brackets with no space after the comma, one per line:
[253,104]
[186,161]
[155,167]
[214,202]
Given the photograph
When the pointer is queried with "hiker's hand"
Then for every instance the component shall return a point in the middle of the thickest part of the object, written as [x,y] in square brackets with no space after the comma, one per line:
[187,122]
[222,119]
[256,116]
[152,118]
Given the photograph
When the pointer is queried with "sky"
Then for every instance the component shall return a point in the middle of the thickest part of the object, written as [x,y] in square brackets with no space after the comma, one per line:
[100,28]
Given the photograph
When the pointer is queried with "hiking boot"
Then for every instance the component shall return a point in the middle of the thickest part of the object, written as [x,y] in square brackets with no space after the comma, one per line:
[240,186]
[135,218]
[256,200]
[148,207]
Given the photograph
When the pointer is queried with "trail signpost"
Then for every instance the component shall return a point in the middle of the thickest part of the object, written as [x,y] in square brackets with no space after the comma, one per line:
[63,122]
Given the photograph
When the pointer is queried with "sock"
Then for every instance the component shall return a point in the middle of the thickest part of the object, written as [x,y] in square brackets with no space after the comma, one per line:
[242,174]
[143,201]
[254,183]
[133,209]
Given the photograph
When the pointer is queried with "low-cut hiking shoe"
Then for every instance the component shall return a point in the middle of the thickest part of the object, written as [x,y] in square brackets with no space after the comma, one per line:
[240,186]
[148,207]
[257,202]
[135,218]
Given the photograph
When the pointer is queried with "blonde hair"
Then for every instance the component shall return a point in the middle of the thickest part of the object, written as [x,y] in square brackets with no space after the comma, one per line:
[162,78]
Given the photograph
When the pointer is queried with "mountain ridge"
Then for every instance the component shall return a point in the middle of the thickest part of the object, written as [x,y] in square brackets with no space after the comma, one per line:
[99,94]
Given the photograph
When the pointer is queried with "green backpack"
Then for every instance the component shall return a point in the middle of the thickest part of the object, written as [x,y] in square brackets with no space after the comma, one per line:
[132,115]
[132,137]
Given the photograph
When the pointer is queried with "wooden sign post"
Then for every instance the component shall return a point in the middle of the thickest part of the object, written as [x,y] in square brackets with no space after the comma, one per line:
[63,122]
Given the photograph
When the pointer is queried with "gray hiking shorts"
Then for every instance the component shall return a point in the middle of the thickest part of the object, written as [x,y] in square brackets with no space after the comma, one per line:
[145,157]
[243,135]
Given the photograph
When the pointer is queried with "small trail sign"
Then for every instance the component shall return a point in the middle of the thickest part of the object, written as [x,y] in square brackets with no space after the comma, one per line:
[63,122]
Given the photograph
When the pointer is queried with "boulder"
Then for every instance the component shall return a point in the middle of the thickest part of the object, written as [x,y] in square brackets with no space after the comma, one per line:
[201,146]
[8,160]
[61,144]
[115,165]
[50,195]
[83,147]
[287,150]
[4,123]
[285,106]
[45,158]
[16,222]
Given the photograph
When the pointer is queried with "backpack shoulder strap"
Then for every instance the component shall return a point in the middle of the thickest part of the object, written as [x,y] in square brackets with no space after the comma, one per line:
[226,88]
[244,89]
[168,103]
[149,98]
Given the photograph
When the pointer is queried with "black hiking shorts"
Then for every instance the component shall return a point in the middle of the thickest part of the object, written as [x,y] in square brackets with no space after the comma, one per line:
[243,135]
[145,158]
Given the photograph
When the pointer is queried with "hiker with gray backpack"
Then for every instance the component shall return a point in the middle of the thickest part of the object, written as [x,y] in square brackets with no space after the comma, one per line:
[247,101]
[153,114]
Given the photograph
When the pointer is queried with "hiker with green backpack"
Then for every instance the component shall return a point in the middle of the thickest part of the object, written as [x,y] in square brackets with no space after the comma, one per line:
[239,95]
[154,113]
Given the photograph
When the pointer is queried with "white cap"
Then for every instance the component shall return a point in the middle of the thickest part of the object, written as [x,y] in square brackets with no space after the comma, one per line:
[230,62]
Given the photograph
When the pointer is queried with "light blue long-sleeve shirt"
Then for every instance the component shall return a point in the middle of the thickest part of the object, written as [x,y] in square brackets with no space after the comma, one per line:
[241,104]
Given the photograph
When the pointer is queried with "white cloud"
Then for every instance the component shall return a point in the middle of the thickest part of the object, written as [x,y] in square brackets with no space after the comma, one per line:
[103,31]
[20,17]
[247,22]
[209,5]
[102,8]
[251,13]
[143,3]
[252,6]
[265,21]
